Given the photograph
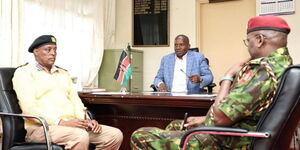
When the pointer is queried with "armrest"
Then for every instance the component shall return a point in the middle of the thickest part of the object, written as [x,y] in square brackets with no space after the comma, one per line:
[220,131]
[154,87]
[91,115]
[43,121]
[210,87]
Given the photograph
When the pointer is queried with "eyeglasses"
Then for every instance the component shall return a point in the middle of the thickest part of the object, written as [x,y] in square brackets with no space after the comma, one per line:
[246,41]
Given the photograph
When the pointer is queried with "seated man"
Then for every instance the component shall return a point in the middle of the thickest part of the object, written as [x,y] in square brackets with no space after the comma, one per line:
[46,90]
[183,70]
[246,91]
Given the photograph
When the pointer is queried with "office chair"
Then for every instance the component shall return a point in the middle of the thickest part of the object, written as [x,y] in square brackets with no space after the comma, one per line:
[196,49]
[276,126]
[12,119]
[154,88]
[208,88]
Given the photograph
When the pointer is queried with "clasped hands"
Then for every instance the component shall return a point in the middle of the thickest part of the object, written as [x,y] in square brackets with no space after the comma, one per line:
[89,125]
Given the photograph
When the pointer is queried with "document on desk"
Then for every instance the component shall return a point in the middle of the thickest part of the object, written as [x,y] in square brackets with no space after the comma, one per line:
[110,93]
[202,95]
[209,95]
[156,92]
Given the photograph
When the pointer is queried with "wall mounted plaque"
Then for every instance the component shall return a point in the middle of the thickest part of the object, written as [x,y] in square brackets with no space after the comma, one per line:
[151,22]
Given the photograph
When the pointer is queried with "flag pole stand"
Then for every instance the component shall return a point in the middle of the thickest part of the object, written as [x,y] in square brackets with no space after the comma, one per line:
[129,56]
[123,90]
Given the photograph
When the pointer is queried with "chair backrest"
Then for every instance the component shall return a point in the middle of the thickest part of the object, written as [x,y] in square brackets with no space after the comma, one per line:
[13,128]
[282,116]
[196,49]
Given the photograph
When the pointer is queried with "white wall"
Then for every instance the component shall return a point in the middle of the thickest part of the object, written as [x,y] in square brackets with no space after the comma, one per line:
[222,30]
[182,21]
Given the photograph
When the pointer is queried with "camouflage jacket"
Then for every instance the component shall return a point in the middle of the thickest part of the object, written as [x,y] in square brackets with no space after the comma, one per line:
[251,91]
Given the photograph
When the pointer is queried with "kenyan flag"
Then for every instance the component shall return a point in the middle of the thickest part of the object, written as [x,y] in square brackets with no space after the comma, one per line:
[124,69]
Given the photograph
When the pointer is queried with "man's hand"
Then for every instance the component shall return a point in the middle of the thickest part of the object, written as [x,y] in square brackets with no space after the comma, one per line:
[162,88]
[195,121]
[195,79]
[236,68]
[76,123]
[92,125]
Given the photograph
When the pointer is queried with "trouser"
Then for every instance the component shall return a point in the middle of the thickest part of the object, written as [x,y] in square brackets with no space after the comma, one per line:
[109,138]
[152,138]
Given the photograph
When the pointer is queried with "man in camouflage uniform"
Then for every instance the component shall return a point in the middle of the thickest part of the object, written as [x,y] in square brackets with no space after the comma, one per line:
[246,91]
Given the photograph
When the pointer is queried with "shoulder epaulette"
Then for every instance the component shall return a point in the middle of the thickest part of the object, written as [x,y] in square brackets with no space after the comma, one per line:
[256,61]
[23,65]
[61,68]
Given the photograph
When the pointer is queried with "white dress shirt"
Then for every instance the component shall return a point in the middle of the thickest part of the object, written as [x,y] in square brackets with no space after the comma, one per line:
[180,78]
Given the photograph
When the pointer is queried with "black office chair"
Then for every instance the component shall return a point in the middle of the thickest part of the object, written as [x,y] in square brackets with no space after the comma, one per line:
[12,119]
[154,88]
[196,49]
[276,127]
[208,88]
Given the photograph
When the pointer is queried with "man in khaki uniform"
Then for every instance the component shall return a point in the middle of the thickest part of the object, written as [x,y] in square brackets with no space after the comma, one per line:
[46,90]
[246,91]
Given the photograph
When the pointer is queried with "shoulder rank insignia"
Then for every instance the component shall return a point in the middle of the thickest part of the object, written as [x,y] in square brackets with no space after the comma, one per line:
[61,68]
[23,65]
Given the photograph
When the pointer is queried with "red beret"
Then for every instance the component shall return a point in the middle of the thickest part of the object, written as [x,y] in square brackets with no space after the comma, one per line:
[268,23]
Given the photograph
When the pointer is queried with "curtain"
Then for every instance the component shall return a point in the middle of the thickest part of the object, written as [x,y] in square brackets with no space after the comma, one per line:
[78,25]
[11,32]
[109,23]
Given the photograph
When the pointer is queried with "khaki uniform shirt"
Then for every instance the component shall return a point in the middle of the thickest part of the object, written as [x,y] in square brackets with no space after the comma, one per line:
[46,94]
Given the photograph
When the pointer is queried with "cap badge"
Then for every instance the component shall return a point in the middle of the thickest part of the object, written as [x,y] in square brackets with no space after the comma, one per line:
[53,39]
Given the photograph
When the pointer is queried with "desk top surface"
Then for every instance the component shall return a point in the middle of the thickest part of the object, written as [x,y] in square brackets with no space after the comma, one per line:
[149,99]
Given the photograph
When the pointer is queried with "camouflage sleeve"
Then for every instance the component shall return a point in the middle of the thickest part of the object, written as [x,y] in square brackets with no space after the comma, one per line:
[247,94]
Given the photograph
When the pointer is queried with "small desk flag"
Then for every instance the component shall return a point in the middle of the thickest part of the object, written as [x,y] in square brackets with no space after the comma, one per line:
[124,69]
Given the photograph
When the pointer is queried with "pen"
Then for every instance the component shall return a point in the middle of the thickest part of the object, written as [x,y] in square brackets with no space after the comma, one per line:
[184,72]
[184,121]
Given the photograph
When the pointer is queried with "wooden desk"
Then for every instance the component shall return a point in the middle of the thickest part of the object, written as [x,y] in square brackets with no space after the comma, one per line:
[132,111]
